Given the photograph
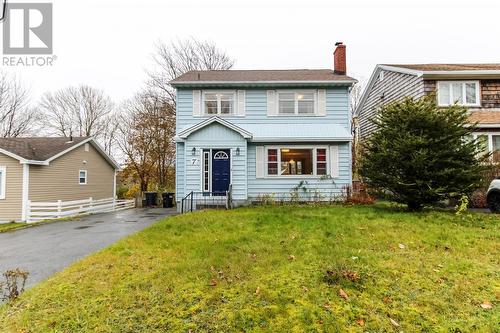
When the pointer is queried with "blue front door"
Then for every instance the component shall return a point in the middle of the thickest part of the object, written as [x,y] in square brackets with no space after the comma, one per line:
[221,171]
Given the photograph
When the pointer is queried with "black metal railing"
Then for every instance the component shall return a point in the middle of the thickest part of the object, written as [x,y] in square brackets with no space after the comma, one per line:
[195,200]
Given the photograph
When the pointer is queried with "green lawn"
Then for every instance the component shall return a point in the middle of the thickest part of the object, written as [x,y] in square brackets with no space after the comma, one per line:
[280,269]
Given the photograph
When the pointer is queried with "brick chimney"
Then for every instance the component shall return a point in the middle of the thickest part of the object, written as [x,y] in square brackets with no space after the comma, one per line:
[339,59]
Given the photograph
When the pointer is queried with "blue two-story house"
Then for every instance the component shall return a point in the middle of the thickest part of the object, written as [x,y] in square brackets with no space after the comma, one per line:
[262,132]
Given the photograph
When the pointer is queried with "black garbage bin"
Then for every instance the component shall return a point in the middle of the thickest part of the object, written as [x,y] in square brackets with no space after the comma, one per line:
[151,199]
[168,199]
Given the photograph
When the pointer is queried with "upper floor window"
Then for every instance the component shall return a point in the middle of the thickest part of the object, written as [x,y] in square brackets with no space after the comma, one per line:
[219,103]
[461,92]
[296,103]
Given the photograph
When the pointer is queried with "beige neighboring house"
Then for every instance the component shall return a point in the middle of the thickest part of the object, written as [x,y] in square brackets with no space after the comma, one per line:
[52,169]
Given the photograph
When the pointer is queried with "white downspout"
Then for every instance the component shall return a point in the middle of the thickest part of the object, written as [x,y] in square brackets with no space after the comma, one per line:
[25,195]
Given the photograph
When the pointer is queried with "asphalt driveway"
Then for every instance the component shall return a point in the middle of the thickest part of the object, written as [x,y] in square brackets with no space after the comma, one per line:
[46,249]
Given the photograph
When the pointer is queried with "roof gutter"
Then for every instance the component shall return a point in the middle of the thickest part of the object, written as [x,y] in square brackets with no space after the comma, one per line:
[262,83]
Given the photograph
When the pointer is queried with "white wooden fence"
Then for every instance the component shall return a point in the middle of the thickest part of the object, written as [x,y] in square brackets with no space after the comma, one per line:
[38,211]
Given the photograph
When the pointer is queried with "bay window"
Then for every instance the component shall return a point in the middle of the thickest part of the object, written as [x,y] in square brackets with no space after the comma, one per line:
[296,103]
[219,103]
[461,92]
[296,161]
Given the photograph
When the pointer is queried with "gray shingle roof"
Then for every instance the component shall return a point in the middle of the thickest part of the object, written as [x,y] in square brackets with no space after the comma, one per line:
[38,149]
[290,75]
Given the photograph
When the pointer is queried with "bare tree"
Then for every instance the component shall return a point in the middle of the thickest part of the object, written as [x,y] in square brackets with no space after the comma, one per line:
[354,99]
[79,111]
[17,118]
[146,132]
[176,58]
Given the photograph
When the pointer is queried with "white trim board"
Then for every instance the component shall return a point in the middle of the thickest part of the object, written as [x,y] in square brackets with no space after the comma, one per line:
[187,132]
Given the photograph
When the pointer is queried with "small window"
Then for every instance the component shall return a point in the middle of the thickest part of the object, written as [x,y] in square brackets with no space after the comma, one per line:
[321,162]
[219,103]
[82,177]
[221,155]
[272,162]
[461,92]
[87,147]
[296,103]
[206,170]
[3,180]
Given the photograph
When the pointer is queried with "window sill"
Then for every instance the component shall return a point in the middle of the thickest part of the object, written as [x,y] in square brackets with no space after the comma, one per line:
[297,115]
[294,177]
[221,115]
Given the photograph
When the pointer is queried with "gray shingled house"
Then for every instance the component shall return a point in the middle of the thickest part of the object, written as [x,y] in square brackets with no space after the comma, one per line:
[475,86]
[52,169]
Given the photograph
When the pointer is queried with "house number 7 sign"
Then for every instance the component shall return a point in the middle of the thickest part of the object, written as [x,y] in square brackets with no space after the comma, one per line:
[194,161]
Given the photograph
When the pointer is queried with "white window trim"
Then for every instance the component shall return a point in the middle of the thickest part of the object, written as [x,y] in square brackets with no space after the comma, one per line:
[296,92]
[219,114]
[86,178]
[3,169]
[489,135]
[463,83]
[315,162]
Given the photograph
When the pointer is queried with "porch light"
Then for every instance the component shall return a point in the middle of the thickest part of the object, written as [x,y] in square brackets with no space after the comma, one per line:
[193,151]
[238,151]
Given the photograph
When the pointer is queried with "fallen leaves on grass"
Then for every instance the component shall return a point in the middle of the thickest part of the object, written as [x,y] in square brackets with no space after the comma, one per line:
[334,276]
[343,294]
[486,305]
[213,283]
[257,291]
[402,246]
[361,322]
[291,257]
[393,322]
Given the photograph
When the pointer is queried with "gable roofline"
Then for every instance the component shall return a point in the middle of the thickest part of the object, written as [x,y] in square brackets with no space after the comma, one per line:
[184,134]
[374,77]
[424,73]
[90,140]
[21,159]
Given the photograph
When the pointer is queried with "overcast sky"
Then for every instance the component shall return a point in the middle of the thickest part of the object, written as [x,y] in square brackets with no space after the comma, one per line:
[108,43]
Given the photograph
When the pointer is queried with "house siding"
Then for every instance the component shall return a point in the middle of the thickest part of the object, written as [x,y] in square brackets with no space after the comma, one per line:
[337,106]
[11,206]
[59,180]
[281,186]
[394,86]
[243,174]
[216,136]
[490,92]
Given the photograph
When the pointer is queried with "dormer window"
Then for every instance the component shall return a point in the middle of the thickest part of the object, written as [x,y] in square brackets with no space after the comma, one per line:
[464,93]
[218,103]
